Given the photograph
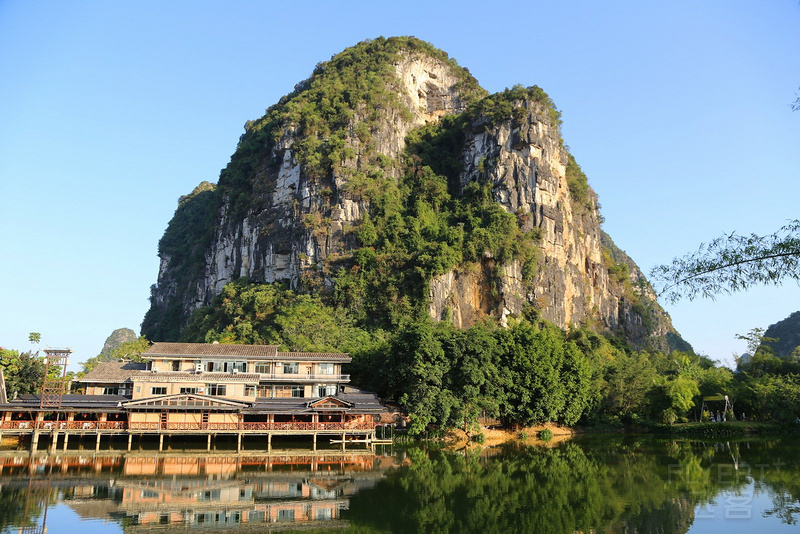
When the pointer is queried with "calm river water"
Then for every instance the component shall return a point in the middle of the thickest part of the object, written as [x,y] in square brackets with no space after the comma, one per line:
[589,484]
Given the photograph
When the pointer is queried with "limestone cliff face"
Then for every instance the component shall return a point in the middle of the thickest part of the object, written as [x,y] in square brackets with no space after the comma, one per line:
[297,222]
[525,161]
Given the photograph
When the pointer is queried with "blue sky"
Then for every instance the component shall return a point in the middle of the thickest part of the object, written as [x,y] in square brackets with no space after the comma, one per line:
[679,113]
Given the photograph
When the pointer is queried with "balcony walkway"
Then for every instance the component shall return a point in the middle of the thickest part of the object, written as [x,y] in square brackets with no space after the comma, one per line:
[355,432]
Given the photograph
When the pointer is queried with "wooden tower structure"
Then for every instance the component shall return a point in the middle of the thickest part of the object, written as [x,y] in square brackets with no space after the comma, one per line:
[53,389]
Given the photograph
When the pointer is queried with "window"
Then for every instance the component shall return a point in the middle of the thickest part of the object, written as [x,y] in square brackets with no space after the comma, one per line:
[216,389]
[322,514]
[323,390]
[285,392]
[255,516]
[285,515]
[176,365]
[249,391]
[263,368]
[158,391]
[326,368]
[113,390]
[210,495]
[226,367]
[291,368]
[188,391]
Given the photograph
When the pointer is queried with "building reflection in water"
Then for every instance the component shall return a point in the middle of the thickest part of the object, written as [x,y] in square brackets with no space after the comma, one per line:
[158,491]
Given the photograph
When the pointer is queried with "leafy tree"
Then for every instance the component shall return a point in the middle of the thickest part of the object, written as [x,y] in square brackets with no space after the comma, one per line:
[549,378]
[476,374]
[732,263]
[629,383]
[23,372]
[681,392]
[131,350]
[420,367]
[772,397]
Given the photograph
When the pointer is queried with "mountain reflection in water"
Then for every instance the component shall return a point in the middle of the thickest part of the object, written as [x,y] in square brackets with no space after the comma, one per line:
[594,484]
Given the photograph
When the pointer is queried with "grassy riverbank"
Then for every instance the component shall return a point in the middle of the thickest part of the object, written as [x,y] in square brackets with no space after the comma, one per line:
[730,429]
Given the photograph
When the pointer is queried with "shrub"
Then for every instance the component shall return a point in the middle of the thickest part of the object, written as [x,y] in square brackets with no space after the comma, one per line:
[668,416]
[546,434]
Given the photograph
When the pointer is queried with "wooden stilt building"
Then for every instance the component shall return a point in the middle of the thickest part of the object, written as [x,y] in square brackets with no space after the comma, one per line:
[204,389]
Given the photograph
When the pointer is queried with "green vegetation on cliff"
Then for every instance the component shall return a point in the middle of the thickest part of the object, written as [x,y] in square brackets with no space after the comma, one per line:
[427,233]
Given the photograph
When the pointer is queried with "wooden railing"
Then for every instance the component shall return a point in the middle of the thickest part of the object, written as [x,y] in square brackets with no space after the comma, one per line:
[155,425]
[64,425]
[287,426]
[304,376]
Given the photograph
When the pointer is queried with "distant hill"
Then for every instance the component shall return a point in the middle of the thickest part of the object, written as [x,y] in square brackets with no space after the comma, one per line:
[117,338]
[787,333]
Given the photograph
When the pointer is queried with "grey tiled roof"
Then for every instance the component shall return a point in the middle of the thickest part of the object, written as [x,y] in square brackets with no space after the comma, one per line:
[368,402]
[210,349]
[162,376]
[289,405]
[313,356]
[362,403]
[113,372]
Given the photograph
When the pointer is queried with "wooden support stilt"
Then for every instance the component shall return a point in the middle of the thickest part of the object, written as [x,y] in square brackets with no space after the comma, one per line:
[208,446]
[269,442]
[314,446]
[343,435]
[97,443]
[66,441]
[239,443]
[130,441]
[160,442]
[53,442]
[34,440]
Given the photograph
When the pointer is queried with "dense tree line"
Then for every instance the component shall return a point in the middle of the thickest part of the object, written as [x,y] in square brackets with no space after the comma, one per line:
[529,372]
